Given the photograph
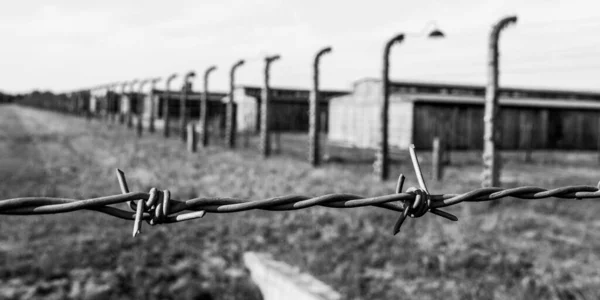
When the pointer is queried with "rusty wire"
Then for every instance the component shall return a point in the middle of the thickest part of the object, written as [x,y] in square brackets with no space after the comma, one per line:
[157,207]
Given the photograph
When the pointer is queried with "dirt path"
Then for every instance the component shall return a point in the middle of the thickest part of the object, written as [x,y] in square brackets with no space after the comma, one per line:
[40,153]
[21,162]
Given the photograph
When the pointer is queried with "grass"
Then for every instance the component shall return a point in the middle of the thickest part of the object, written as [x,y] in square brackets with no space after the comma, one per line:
[517,250]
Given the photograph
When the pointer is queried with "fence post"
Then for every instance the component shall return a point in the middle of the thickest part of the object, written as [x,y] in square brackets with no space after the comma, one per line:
[166,112]
[107,105]
[140,108]
[246,131]
[381,165]
[115,104]
[183,100]
[529,145]
[86,94]
[598,140]
[491,160]
[204,108]
[191,137]
[130,106]
[265,144]
[437,163]
[152,103]
[277,141]
[230,130]
[314,157]
[122,103]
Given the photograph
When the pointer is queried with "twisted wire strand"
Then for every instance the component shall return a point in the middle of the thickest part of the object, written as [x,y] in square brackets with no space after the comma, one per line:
[50,205]
[157,207]
[395,202]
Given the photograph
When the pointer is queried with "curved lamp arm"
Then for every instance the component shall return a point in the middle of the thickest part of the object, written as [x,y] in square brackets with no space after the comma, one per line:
[142,84]
[189,75]
[153,82]
[208,71]
[321,53]
[132,84]
[503,23]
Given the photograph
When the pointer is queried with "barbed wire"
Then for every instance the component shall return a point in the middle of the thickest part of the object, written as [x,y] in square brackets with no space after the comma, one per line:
[157,207]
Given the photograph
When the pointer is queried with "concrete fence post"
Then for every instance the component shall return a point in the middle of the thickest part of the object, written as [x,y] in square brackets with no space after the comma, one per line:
[204,108]
[152,103]
[382,168]
[246,131]
[107,104]
[437,163]
[88,112]
[191,137]
[115,103]
[277,141]
[314,156]
[140,108]
[598,140]
[491,159]
[265,144]
[183,102]
[529,143]
[122,103]
[129,113]
[230,128]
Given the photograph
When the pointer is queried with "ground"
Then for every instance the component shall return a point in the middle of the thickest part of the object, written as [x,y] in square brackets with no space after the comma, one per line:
[515,250]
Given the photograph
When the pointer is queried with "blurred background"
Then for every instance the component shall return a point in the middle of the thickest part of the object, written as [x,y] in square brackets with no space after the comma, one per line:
[66,125]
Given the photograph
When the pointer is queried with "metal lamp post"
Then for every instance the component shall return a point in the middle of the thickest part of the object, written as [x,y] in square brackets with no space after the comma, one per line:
[230,114]
[314,156]
[130,106]
[151,102]
[265,143]
[204,108]
[382,161]
[123,87]
[491,160]
[140,108]
[106,116]
[182,108]
[113,102]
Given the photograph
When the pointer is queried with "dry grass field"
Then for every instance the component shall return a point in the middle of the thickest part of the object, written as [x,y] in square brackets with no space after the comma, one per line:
[546,249]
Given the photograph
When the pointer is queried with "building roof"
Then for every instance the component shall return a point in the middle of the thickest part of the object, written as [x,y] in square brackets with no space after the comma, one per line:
[506,101]
[446,88]
[191,95]
[479,90]
[291,94]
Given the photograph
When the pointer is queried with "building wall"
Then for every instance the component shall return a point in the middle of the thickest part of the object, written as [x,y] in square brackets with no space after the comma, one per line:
[289,109]
[293,116]
[93,106]
[520,127]
[355,120]
[216,108]
[247,111]
[125,104]
[419,112]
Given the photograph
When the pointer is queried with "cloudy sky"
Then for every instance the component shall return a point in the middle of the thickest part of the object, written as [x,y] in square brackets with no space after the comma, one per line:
[64,45]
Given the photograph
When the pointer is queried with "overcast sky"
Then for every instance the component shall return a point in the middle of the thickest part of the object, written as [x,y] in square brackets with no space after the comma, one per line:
[72,44]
